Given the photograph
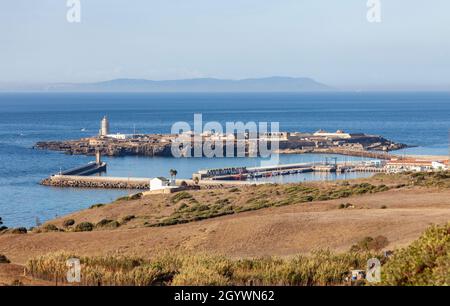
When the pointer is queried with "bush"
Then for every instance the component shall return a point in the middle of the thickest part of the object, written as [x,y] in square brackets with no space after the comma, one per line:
[181,196]
[19,230]
[105,223]
[127,218]
[182,206]
[135,196]
[234,189]
[425,262]
[50,228]
[96,206]
[3,259]
[84,227]
[370,244]
[68,222]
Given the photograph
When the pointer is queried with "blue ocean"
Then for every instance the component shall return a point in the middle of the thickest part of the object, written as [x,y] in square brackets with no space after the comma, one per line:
[417,119]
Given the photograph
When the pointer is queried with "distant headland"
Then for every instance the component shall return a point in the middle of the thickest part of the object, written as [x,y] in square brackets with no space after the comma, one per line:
[268,84]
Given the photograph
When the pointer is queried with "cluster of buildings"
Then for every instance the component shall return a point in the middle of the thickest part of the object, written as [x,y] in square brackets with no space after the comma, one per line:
[286,140]
[416,165]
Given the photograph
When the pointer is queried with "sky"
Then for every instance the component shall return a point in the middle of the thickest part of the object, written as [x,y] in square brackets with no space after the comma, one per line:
[328,40]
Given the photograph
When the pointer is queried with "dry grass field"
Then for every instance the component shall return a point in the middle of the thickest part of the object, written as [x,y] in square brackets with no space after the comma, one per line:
[266,220]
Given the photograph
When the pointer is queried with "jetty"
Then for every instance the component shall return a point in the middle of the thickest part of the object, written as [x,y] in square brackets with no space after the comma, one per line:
[246,173]
[135,183]
[85,170]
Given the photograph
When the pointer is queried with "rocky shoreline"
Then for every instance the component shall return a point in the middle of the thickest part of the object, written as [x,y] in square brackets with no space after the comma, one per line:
[160,145]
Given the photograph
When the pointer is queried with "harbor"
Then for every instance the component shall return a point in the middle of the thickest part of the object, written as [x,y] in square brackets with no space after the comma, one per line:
[249,173]
[90,175]
[374,152]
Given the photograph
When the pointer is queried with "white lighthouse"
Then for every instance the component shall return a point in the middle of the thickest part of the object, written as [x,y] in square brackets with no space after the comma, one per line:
[104,127]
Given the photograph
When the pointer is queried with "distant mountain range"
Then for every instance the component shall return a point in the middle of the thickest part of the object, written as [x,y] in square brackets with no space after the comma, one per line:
[269,84]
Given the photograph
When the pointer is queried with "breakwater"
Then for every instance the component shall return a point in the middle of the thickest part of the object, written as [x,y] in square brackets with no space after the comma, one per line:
[76,181]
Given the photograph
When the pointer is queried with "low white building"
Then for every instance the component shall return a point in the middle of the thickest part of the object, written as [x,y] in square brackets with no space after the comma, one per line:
[438,165]
[159,183]
[337,134]
[120,136]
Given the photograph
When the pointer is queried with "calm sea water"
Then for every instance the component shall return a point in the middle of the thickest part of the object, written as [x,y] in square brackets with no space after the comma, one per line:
[420,119]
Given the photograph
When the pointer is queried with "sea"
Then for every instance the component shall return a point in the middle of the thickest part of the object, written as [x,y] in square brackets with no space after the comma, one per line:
[421,120]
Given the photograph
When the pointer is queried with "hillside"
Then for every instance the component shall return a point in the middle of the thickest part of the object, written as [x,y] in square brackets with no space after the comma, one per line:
[268,220]
[299,225]
[269,84]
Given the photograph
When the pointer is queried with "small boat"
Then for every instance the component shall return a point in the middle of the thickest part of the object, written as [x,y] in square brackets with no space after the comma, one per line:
[83,130]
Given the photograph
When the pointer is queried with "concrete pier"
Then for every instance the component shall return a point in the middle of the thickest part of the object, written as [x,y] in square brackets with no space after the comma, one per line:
[243,173]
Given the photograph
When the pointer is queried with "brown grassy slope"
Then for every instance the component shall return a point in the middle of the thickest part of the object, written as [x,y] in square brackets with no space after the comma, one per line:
[286,230]
[190,206]
[13,275]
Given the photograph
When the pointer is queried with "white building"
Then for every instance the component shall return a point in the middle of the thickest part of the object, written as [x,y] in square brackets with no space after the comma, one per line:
[159,183]
[337,134]
[120,136]
[439,165]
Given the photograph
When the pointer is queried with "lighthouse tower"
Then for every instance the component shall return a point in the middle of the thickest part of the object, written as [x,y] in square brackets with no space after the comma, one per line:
[104,127]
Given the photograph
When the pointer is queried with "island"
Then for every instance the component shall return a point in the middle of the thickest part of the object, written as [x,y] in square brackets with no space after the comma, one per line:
[339,142]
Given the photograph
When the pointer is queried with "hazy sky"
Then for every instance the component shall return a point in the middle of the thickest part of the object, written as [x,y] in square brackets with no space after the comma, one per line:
[328,40]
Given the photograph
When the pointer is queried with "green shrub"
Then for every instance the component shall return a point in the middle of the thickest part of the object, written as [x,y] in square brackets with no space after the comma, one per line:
[222,202]
[105,223]
[182,207]
[68,222]
[3,259]
[50,228]
[127,218]
[234,189]
[370,244]
[135,196]
[19,230]
[425,262]
[84,227]
[96,206]
[181,196]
